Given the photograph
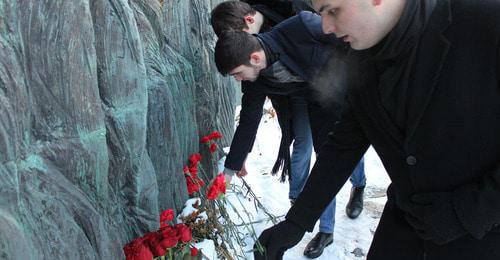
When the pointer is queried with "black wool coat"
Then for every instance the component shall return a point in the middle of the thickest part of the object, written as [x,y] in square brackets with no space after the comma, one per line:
[450,152]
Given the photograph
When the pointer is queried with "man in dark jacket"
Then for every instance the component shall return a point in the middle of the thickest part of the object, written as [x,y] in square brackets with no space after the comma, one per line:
[291,105]
[281,71]
[431,110]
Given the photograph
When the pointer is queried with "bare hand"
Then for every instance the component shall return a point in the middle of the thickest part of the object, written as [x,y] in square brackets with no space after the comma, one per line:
[228,178]
[243,172]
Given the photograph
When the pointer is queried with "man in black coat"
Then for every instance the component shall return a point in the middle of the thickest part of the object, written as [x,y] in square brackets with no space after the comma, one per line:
[433,116]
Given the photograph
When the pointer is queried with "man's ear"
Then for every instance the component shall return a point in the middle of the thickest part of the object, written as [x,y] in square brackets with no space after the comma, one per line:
[377,2]
[249,19]
[255,58]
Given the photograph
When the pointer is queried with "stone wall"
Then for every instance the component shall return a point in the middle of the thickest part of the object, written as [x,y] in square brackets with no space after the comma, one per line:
[101,102]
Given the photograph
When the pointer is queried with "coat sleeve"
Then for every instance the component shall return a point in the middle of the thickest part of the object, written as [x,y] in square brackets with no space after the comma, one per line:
[478,204]
[251,112]
[335,163]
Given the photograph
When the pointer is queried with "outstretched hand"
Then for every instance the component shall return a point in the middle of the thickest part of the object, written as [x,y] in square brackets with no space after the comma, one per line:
[228,174]
[277,239]
[243,172]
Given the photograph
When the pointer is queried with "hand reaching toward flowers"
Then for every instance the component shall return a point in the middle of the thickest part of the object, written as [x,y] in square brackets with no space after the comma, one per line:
[277,239]
[228,174]
[228,178]
[243,172]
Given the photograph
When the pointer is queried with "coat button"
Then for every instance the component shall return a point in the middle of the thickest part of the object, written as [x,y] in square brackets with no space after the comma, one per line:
[411,160]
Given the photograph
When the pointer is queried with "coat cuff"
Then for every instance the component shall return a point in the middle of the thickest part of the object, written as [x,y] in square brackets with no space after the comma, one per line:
[302,217]
[229,172]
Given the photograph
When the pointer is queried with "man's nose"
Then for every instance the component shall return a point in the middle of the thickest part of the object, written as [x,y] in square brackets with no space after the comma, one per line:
[327,25]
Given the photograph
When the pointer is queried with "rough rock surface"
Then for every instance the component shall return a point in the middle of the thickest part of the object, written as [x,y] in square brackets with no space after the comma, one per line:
[101,102]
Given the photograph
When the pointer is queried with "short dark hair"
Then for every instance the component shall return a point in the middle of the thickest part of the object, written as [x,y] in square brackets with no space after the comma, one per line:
[230,16]
[233,48]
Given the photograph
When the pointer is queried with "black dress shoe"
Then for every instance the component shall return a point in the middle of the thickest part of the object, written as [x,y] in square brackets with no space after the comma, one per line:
[355,204]
[317,244]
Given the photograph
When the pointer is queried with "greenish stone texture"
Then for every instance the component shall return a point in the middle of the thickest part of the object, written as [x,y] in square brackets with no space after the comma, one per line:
[101,103]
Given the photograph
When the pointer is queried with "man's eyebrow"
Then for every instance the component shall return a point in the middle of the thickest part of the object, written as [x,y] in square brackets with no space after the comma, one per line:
[323,7]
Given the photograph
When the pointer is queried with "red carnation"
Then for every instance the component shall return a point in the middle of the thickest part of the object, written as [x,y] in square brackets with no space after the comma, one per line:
[213,147]
[169,242]
[137,250]
[218,186]
[158,250]
[215,135]
[193,170]
[184,232]
[167,215]
[152,239]
[170,237]
[220,182]
[205,139]
[213,192]
[192,189]
[194,251]
[191,185]
[185,169]
[194,159]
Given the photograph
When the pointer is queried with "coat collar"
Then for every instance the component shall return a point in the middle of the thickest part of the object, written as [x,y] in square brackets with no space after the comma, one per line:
[433,50]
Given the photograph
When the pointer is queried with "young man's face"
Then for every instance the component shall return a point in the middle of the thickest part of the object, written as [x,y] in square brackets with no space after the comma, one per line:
[354,21]
[245,72]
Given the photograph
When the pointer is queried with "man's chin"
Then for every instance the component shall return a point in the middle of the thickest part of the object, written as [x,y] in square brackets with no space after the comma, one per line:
[355,46]
[359,46]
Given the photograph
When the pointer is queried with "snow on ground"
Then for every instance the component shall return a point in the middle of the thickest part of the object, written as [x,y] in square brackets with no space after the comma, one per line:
[352,238]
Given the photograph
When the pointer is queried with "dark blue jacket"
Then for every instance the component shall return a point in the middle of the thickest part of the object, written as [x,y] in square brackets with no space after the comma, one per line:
[299,42]
[307,52]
